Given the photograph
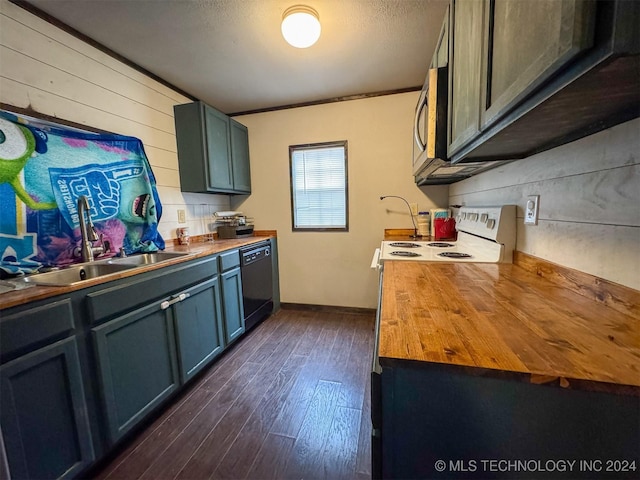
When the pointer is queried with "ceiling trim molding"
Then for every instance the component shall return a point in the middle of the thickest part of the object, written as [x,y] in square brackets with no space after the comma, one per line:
[81,36]
[329,100]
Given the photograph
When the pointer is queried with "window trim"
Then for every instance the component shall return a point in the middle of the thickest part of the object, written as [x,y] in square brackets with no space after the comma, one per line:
[314,146]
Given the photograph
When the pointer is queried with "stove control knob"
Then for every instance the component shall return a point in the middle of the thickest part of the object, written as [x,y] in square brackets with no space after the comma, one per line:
[475,217]
[484,217]
[491,223]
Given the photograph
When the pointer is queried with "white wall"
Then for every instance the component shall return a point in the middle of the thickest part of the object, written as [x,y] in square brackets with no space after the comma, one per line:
[589,202]
[333,268]
[51,72]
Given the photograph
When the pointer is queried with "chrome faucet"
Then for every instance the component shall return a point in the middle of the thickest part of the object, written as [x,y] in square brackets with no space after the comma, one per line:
[87,231]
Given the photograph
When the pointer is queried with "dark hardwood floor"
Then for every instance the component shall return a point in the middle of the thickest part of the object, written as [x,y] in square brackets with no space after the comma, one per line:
[290,400]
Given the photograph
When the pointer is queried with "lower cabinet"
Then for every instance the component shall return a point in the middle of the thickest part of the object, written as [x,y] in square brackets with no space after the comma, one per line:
[231,288]
[44,414]
[147,335]
[137,365]
[232,304]
[199,332]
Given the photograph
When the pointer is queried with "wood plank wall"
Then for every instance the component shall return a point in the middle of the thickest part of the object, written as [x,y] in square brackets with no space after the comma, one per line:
[47,70]
[589,210]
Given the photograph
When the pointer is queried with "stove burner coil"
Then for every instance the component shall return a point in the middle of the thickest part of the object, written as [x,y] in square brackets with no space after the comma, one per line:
[440,244]
[404,245]
[454,255]
[398,253]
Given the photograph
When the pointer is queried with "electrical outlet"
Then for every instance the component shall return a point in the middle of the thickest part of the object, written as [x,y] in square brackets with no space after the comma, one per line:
[531,210]
[414,208]
[181,216]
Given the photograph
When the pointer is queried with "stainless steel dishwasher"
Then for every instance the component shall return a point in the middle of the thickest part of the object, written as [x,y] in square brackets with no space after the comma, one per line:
[257,282]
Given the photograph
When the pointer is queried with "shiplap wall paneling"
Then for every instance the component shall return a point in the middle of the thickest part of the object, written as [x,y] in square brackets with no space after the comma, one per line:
[589,191]
[49,71]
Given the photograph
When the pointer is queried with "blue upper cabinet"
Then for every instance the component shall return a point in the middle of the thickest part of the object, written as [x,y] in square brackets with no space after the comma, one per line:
[240,157]
[526,76]
[213,151]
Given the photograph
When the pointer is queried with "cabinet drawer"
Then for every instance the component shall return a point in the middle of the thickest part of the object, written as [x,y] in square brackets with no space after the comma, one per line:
[28,329]
[136,292]
[229,260]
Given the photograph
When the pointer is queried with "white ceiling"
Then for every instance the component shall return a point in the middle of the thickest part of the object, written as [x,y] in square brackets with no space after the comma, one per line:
[231,54]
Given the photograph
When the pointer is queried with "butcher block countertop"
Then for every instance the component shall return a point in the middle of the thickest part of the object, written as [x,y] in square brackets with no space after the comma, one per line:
[195,250]
[502,320]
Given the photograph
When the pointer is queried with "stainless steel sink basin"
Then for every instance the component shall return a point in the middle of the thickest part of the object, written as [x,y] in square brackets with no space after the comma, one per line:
[76,274]
[146,258]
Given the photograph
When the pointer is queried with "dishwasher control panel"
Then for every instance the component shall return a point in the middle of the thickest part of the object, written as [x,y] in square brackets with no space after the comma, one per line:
[255,254]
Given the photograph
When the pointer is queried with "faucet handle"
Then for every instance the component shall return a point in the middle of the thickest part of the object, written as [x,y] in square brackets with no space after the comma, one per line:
[92,234]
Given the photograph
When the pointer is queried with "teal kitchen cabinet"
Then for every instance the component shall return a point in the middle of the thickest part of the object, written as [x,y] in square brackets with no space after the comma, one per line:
[527,42]
[43,412]
[213,151]
[240,157]
[441,54]
[198,325]
[231,287]
[137,365]
[465,61]
[528,76]
[161,329]
[275,273]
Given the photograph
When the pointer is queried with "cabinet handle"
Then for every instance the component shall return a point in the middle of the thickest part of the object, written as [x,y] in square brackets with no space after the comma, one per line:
[167,303]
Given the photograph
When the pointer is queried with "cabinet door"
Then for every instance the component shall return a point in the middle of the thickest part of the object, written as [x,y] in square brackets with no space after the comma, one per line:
[218,149]
[233,311]
[240,157]
[275,274]
[465,43]
[526,43]
[441,54]
[198,322]
[137,365]
[44,414]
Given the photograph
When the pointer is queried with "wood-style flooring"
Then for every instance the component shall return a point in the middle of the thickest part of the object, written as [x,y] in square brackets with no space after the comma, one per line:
[290,400]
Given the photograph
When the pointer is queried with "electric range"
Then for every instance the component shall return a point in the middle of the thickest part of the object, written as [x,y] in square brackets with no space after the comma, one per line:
[485,235]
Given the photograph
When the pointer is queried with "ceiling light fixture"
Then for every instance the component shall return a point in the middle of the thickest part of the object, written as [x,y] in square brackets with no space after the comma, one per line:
[301,26]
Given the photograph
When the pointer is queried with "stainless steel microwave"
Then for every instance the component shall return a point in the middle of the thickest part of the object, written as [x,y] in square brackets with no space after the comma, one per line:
[430,163]
[430,123]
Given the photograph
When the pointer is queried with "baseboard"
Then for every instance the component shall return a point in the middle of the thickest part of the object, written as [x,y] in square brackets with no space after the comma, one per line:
[328,308]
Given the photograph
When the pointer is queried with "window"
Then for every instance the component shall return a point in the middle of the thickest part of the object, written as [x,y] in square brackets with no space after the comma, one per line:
[319,199]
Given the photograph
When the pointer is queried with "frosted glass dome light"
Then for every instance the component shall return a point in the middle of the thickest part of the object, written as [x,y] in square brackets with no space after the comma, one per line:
[301,26]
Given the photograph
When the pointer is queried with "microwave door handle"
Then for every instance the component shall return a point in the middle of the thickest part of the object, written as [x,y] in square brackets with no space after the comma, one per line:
[416,127]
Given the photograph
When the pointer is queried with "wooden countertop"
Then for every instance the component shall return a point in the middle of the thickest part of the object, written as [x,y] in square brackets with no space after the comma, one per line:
[500,319]
[196,250]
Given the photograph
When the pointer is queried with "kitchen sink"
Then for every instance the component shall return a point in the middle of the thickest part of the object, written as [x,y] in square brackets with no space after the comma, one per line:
[146,258]
[76,274]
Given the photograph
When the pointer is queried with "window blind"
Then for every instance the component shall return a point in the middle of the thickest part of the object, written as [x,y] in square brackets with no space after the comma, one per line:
[319,186]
